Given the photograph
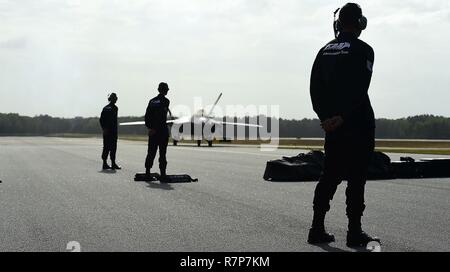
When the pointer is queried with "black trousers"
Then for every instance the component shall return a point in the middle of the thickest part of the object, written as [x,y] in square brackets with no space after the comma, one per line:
[347,155]
[109,146]
[155,142]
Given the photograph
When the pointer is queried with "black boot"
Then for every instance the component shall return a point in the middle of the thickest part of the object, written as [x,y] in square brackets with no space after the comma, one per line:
[163,175]
[106,166]
[114,166]
[319,236]
[356,237]
[360,239]
[317,233]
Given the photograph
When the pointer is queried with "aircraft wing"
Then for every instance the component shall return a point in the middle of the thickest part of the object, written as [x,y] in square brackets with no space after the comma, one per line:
[180,121]
[133,123]
[174,121]
[236,124]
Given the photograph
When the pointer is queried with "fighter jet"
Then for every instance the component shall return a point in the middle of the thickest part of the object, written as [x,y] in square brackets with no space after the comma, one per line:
[197,123]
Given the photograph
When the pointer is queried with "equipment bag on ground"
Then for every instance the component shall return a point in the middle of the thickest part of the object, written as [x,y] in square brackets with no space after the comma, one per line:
[167,179]
[308,167]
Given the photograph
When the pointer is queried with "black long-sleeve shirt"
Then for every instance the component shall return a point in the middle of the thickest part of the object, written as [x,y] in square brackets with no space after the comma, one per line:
[108,118]
[340,80]
[156,114]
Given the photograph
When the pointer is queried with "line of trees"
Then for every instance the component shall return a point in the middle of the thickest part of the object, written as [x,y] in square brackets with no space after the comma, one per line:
[416,127]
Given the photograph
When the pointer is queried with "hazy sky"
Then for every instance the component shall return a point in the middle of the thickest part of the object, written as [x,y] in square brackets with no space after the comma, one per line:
[62,57]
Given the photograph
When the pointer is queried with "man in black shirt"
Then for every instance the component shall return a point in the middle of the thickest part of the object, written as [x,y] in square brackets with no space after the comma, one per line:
[108,122]
[158,131]
[340,81]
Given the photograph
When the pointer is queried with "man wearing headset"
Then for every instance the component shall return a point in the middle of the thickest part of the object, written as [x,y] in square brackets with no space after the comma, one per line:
[158,131]
[108,122]
[339,86]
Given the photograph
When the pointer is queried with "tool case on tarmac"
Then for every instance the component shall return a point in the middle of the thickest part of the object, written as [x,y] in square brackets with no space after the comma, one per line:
[145,177]
[167,179]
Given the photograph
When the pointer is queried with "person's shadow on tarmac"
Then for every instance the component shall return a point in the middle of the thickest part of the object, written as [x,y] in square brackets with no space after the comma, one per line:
[329,248]
[112,171]
[158,185]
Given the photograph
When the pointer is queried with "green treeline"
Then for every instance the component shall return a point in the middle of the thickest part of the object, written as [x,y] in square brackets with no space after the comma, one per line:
[416,127]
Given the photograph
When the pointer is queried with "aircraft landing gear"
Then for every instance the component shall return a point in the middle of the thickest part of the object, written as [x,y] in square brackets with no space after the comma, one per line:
[199,143]
[210,143]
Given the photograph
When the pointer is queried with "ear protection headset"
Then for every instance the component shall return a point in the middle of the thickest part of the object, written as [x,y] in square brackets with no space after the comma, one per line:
[111,95]
[361,21]
[163,87]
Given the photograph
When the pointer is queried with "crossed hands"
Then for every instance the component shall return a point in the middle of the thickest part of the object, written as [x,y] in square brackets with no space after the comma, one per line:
[151,132]
[332,123]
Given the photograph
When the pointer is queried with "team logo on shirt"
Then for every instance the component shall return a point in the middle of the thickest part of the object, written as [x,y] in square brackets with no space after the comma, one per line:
[336,49]
[337,46]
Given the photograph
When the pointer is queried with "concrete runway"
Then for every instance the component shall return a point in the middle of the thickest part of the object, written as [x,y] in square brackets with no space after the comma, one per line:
[53,192]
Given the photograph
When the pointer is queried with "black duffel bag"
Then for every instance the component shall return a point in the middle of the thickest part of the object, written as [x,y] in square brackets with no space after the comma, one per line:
[308,167]
[379,167]
[303,167]
[424,168]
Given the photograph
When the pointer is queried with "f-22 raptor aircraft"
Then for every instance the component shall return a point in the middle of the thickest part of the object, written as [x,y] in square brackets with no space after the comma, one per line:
[199,120]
